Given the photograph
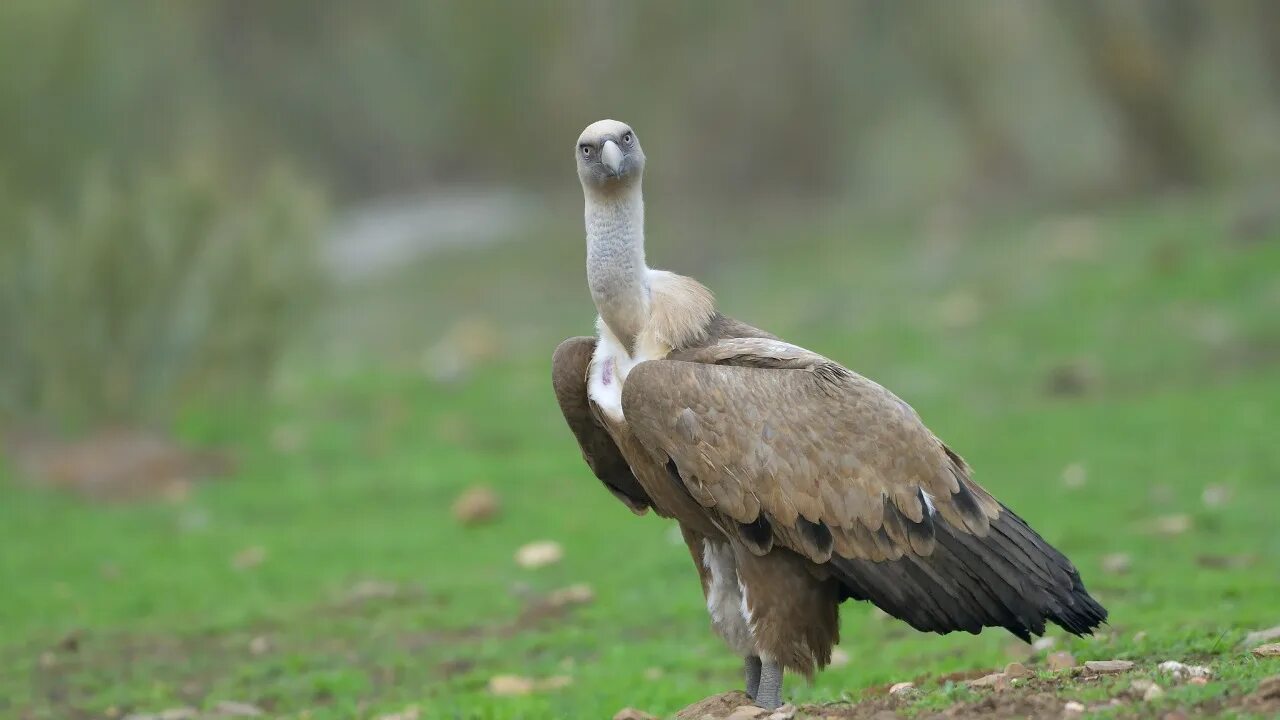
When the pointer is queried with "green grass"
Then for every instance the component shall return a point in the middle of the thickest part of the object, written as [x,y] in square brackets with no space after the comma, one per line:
[1172,325]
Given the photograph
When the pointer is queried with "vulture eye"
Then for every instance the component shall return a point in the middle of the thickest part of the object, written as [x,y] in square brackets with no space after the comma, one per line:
[586,151]
[626,138]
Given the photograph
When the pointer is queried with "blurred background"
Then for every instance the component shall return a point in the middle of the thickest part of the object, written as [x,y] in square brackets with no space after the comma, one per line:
[182,184]
[323,250]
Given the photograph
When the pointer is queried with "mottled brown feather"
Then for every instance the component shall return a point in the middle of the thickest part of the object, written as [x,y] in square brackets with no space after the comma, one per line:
[788,433]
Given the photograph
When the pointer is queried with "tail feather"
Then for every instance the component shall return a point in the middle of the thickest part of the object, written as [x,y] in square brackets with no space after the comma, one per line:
[1010,578]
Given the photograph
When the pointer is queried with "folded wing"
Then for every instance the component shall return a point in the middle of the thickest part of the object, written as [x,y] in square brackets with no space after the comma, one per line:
[785,447]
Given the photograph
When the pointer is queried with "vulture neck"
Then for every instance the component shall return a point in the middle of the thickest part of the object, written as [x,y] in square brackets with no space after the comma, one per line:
[616,271]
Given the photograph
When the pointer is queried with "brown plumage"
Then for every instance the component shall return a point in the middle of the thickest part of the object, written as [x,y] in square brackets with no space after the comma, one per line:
[797,483]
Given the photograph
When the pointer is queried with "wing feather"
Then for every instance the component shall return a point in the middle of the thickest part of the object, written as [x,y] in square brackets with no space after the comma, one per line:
[777,430]
[794,450]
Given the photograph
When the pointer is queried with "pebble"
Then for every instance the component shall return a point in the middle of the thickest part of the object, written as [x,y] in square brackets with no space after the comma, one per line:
[1044,643]
[1117,563]
[539,554]
[476,505]
[1268,650]
[1061,660]
[1017,670]
[1183,672]
[510,685]
[996,680]
[1103,667]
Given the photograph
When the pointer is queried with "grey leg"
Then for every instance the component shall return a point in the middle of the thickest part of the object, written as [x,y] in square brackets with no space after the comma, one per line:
[769,695]
[751,669]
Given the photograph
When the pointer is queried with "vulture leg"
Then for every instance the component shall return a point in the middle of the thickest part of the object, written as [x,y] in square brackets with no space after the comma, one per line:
[769,695]
[751,668]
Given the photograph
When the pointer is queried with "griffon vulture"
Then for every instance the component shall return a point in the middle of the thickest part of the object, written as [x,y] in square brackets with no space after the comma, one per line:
[796,482]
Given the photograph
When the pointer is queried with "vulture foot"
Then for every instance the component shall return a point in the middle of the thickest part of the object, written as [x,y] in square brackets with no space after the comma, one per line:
[751,669]
[769,693]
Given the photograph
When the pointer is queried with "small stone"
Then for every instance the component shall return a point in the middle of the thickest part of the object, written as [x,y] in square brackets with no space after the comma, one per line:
[1017,670]
[653,673]
[1044,643]
[995,680]
[1183,672]
[1117,563]
[1261,636]
[1140,636]
[630,713]
[504,685]
[1268,650]
[1074,476]
[1106,667]
[903,689]
[1073,709]
[476,505]
[1155,692]
[1172,524]
[539,554]
[1061,660]
[259,645]
[839,658]
[1215,495]
[747,712]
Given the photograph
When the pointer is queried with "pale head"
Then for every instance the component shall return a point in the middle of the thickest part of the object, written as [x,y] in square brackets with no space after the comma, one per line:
[609,156]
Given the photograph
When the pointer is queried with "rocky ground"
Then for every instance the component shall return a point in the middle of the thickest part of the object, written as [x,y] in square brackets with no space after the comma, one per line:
[1119,688]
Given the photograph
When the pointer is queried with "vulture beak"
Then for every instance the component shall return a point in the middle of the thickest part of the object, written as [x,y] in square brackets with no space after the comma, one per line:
[611,156]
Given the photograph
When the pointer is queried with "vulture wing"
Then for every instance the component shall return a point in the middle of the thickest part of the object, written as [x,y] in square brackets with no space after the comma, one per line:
[785,447]
[569,377]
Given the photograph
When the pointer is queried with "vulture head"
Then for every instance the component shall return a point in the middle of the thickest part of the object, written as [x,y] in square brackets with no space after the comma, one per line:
[609,156]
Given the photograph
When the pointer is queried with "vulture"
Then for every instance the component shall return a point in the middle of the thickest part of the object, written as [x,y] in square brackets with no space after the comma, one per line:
[797,483]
